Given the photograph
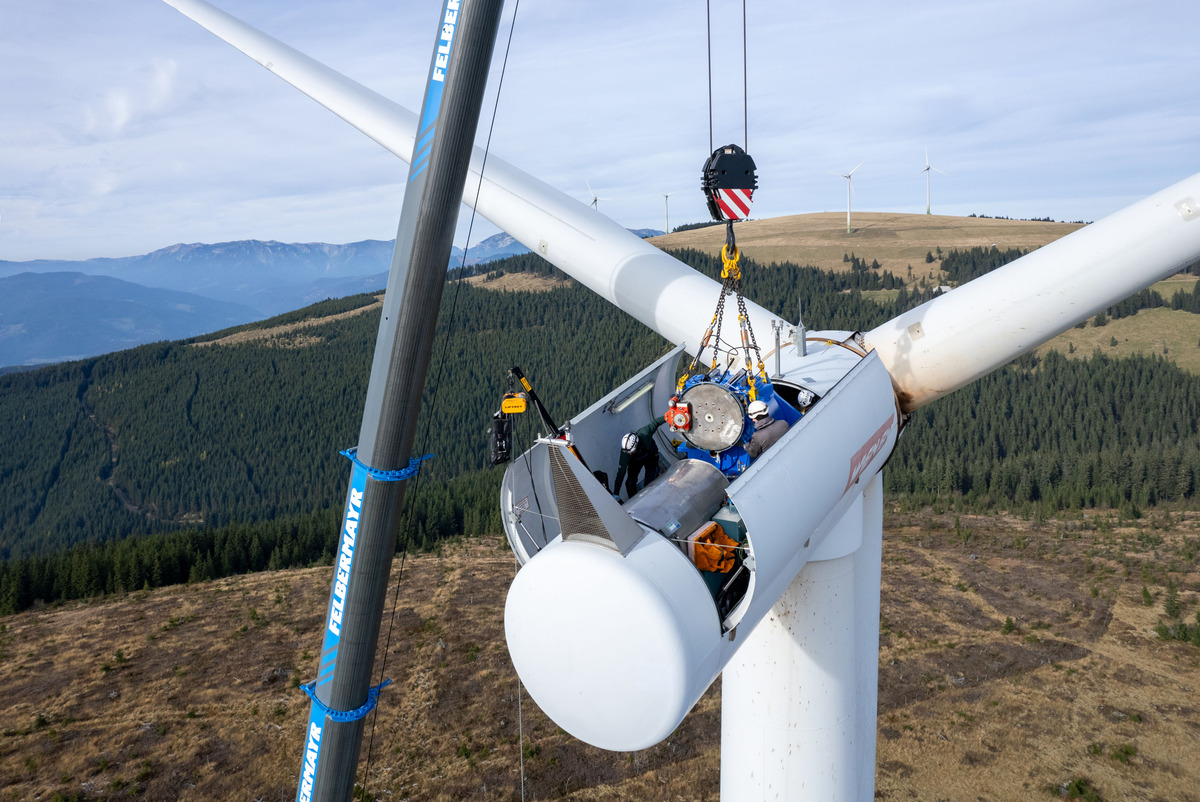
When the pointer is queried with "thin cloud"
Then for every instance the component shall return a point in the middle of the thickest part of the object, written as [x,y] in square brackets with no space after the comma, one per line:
[129,128]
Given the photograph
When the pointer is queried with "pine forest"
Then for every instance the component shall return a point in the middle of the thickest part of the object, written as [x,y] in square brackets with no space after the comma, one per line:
[184,461]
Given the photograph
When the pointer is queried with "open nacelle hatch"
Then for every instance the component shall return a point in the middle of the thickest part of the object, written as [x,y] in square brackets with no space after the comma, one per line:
[620,601]
[776,512]
[528,504]
[549,493]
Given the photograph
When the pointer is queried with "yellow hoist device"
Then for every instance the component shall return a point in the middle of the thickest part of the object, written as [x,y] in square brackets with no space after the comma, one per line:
[516,401]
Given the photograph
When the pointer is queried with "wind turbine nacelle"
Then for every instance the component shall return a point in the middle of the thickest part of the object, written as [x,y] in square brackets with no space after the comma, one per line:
[614,629]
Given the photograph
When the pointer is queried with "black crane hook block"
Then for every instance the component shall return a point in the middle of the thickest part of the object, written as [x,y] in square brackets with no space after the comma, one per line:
[729,180]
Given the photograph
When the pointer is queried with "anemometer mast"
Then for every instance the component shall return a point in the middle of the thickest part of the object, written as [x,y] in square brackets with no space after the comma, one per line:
[341,694]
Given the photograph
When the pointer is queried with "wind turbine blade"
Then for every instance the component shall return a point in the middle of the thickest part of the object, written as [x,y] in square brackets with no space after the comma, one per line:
[860,164]
[655,288]
[957,337]
[391,126]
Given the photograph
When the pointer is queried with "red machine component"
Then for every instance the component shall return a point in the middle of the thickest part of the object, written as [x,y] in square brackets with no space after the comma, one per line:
[679,415]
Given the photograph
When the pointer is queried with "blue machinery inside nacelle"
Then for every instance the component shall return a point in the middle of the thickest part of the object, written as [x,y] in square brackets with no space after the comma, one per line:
[710,415]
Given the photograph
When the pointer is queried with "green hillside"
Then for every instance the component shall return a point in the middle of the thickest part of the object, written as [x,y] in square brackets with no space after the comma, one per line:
[176,434]
[226,454]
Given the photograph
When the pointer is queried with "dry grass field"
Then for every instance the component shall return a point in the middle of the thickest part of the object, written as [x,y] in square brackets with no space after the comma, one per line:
[896,240]
[1170,286]
[517,282]
[191,692]
[1165,332]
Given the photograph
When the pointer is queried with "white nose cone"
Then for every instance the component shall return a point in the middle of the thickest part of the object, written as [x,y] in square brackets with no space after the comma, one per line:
[614,649]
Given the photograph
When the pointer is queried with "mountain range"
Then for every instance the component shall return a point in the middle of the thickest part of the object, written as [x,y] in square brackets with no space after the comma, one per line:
[55,317]
[52,310]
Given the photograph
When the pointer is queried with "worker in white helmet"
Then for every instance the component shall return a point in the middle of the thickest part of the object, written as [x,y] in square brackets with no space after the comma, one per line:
[638,453]
[767,430]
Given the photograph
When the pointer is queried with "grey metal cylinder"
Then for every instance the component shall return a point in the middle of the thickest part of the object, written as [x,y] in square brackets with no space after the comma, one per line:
[681,500]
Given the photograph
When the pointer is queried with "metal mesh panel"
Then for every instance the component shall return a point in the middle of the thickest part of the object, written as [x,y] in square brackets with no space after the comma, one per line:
[576,515]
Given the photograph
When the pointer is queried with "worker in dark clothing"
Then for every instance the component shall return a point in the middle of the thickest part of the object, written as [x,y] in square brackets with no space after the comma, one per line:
[767,430]
[638,453]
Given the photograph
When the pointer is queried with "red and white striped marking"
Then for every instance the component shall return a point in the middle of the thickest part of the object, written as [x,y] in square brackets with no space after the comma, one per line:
[734,203]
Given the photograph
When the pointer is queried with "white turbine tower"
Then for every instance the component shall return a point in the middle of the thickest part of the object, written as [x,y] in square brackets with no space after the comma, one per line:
[928,171]
[610,624]
[849,190]
[666,212]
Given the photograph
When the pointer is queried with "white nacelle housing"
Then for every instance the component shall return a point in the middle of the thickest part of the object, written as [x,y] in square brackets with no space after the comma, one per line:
[613,628]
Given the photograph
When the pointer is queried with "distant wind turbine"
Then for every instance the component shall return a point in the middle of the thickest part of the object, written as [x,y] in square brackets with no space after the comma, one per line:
[849,189]
[929,169]
[666,212]
[595,198]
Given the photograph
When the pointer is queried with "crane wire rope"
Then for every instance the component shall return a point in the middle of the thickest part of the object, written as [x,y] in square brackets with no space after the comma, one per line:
[730,255]
[708,38]
[437,385]
[745,86]
[520,715]
[745,78]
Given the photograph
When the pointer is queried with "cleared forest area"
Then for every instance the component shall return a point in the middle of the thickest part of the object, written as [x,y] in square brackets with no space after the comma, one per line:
[1017,661]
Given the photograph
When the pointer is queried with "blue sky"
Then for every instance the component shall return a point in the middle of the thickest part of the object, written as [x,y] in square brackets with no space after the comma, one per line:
[128,128]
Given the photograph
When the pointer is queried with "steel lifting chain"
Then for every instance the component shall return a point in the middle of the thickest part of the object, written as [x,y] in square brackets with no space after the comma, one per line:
[705,341]
[731,284]
[749,342]
[732,276]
